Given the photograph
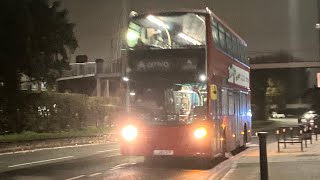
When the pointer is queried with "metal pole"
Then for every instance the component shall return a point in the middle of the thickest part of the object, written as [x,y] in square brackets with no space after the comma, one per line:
[318,9]
[108,88]
[128,97]
[98,86]
[263,155]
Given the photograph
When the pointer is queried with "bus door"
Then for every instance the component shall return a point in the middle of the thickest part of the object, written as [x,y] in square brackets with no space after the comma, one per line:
[215,99]
[237,117]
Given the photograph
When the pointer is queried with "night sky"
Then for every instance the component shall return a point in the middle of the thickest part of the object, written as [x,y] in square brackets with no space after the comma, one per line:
[266,25]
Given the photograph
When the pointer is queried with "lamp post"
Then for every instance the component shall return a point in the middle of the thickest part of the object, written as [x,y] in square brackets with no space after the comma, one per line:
[317,26]
[126,79]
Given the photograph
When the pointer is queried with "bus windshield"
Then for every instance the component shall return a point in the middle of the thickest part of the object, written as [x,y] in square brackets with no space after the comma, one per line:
[170,105]
[183,30]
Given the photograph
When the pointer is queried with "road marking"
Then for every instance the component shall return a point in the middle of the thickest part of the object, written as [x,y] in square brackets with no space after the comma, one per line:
[77,177]
[114,155]
[95,174]
[121,166]
[37,162]
[60,147]
[108,150]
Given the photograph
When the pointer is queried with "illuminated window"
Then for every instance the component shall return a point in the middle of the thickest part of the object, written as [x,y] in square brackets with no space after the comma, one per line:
[231,103]
[167,31]
[224,102]
[238,50]
[222,38]
[215,35]
[234,47]
[229,43]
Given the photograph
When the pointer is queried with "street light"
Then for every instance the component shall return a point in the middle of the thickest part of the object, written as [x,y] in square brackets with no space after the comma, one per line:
[317,25]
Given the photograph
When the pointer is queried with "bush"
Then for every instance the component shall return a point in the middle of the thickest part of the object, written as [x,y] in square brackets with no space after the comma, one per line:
[50,111]
[32,136]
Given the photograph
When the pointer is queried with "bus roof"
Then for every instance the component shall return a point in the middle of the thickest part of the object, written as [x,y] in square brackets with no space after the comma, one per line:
[206,11]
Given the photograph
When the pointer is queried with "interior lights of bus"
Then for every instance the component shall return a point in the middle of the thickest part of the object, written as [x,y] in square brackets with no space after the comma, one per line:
[157,21]
[131,36]
[188,38]
[201,19]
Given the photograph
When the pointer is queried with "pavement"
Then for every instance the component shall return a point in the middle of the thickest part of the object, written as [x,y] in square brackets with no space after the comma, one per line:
[290,163]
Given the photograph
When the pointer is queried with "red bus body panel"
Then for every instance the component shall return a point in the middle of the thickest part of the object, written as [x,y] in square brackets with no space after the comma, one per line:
[178,138]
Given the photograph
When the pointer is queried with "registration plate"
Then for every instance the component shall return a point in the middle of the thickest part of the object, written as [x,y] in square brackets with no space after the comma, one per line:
[163,152]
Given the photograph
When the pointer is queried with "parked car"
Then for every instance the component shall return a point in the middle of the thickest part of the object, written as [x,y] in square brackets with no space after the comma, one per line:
[277,115]
[308,117]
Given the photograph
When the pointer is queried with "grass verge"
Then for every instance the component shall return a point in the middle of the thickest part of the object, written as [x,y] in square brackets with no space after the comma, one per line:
[34,136]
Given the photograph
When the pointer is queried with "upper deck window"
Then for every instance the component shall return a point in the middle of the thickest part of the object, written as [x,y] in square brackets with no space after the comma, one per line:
[167,31]
[227,42]
[222,38]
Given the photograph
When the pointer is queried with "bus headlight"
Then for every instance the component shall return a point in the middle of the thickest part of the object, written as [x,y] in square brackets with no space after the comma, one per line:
[129,132]
[200,133]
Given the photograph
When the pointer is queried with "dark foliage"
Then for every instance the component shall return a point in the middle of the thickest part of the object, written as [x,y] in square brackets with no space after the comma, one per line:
[36,38]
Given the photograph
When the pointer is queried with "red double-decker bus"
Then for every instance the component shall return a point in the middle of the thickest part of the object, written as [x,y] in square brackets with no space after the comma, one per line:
[188,86]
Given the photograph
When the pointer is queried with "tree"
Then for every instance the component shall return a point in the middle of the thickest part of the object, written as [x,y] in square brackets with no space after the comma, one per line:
[36,39]
[274,94]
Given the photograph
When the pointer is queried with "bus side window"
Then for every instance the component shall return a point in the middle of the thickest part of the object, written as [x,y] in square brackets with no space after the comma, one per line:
[215,33]
[216,105]
[242,53]
[243,104]
[224,102]
[229,43]
[215,36]
[234,46]
[231,103]
[222,38]
[238,50]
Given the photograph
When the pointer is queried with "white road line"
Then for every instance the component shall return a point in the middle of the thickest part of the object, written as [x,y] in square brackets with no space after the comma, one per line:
[108,150]
[36,162]
[121,165]
[77,177]
[95,174]
[114,155]
[61,147]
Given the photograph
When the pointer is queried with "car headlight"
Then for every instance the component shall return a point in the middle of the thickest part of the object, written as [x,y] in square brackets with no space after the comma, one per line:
[129,132]
[307,116]
[200,133]
[303,120]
